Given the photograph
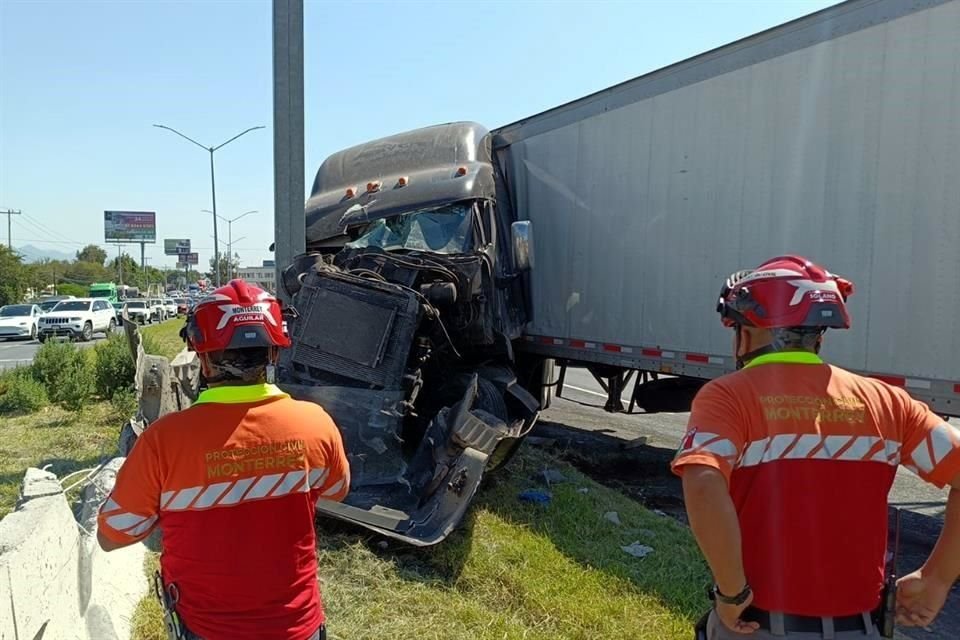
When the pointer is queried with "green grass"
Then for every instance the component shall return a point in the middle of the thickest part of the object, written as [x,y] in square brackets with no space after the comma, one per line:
[164,339]
[67,441]
[512,571]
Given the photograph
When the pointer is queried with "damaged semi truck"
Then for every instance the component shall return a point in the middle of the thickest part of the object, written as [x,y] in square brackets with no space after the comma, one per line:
[448,268]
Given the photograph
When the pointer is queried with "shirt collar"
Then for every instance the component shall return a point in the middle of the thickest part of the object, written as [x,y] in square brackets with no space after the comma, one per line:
[240,394]
[785,357]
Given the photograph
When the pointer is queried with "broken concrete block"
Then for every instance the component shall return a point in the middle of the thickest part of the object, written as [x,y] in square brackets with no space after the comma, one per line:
[38,483]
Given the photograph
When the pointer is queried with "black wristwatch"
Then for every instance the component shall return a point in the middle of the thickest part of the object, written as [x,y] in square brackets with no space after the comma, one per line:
[738,599]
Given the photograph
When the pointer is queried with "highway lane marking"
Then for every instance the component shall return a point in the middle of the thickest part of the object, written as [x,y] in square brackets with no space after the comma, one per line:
[593,393]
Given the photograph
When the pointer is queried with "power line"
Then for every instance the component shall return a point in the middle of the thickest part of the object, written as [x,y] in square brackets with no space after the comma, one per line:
[49,231]
[33,226]
[75,244]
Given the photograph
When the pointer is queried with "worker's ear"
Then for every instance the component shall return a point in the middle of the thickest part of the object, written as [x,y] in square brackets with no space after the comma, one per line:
[205,364]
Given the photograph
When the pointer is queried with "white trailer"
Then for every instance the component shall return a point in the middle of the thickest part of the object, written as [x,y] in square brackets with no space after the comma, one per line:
[835,136]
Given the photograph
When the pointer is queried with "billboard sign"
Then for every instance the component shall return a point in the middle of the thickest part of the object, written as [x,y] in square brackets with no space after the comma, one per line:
[176,246]
[188,259]
[130,226]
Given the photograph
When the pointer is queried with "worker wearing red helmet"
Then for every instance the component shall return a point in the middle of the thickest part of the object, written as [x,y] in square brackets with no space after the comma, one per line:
[232,482]
[787,464]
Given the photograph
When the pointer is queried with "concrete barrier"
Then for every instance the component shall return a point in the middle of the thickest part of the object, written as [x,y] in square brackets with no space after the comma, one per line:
[55,582]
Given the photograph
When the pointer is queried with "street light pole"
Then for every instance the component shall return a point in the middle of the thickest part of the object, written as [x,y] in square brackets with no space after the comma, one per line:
[230,255]
[213,196]
[229,222]
[213,187]
[230,251]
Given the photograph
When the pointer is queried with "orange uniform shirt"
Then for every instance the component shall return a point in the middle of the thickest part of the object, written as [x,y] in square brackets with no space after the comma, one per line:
[810,452]
[233,483]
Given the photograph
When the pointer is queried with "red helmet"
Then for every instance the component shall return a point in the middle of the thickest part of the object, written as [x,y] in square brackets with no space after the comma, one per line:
[786,291]
[236,316]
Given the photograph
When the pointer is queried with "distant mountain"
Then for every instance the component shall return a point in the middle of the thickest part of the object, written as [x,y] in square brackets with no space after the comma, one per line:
[32,254]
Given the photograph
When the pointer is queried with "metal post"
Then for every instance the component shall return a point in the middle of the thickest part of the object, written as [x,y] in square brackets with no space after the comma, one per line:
[230,249]
[10,212]
[120,262]
[288,136]
[216,245]
[143,257]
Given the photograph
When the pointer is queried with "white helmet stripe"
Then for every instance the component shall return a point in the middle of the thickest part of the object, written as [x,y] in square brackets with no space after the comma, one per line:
[234,310]
[806,286]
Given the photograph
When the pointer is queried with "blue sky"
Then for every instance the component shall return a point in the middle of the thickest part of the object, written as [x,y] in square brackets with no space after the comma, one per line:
[82,82]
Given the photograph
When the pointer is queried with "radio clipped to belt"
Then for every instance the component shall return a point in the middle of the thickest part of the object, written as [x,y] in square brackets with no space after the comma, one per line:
[169,596]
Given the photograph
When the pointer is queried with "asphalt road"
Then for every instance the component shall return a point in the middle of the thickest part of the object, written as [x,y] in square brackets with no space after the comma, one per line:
[581,410]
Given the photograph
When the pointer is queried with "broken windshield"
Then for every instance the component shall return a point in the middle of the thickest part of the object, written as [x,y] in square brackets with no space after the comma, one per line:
[444,230]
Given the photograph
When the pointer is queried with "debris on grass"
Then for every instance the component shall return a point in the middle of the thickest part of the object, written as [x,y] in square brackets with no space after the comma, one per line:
[535,496]
[636,442]
[552,476]
[638,550]
[614,517]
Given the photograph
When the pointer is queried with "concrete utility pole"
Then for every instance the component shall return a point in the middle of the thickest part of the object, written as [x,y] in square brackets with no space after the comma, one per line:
[10,212]
[288,177]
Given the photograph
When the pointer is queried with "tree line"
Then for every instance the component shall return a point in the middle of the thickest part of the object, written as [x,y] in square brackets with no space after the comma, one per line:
[19,279]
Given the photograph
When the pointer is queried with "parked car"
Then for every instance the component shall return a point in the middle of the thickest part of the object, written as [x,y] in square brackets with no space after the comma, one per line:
[78,319]
[47,304]
[138,311]
[19,321]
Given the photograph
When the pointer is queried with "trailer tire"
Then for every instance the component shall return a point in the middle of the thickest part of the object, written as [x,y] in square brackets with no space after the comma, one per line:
[536,375]
[668,395]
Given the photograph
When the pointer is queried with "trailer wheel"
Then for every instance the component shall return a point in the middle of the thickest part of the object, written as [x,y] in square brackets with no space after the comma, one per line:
[673,395]
[536,375]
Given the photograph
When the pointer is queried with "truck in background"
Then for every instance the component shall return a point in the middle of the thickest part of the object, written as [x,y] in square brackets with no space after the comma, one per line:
[105,290]
[448,268]
[126,291]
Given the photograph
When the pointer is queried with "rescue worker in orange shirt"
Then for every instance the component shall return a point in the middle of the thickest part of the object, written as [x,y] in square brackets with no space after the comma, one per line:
[233,483]
[786,467]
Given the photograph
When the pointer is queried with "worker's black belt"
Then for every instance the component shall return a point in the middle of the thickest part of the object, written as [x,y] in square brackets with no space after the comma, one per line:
[804,624]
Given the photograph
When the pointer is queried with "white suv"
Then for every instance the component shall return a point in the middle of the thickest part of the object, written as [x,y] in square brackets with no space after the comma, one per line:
[170,307]
[137,310]
[78,319]
[157,312]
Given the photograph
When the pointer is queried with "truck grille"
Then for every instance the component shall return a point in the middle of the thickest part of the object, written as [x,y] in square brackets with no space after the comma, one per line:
[354,328]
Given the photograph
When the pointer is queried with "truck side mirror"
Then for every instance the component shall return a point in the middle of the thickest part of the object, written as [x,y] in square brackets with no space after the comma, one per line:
[522,234]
